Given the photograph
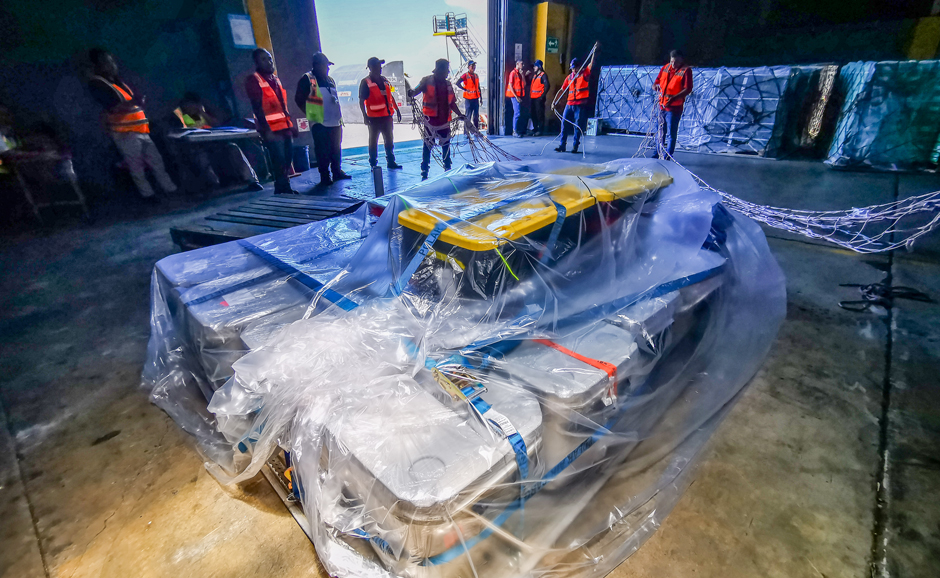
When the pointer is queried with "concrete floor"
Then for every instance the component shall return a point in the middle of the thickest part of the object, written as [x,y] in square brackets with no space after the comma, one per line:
[828,466]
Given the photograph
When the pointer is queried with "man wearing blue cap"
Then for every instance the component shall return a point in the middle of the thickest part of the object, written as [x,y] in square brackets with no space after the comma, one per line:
[539,93]
[576,112]
[470,84]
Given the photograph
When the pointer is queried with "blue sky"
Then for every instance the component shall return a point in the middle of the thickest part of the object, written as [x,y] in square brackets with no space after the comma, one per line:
[351,31]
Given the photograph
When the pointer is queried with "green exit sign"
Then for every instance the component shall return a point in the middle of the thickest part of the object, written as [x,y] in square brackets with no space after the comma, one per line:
[551,45]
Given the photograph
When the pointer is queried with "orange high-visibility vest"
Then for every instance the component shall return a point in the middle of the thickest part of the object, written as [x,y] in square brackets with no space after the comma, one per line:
[133,120]
[578,86]
[538,85]
[429,102]
[378,105]
[671,82]
[471,86]
[273,107]
[517,84]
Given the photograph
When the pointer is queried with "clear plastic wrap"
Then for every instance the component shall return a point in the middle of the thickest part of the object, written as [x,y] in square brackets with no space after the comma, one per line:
[512,375]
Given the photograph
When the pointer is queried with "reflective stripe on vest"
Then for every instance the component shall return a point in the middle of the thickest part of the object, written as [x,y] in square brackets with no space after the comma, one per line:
[471,86]
[379,105]
[672,84]
[133,120]
[578,88]
[538,86]
[515,83]
[314,107]
[272,106]
[429,101]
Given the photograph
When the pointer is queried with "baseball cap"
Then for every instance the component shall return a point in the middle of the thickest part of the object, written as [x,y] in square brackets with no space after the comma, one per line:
[539,63]
[374,60]
[320,58]
[575,63]
[471,62]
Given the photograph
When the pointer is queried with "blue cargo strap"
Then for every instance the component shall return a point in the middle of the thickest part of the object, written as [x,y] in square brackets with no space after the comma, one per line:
[556,230]
[432,237]
[308,281]
[260,279]
[505,427]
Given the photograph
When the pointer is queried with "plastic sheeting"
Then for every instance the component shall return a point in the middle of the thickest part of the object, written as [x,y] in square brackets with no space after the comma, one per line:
[730,110]
[512,376]
[890,117]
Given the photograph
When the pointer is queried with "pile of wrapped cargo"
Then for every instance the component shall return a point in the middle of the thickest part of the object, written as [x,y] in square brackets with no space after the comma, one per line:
[510,371]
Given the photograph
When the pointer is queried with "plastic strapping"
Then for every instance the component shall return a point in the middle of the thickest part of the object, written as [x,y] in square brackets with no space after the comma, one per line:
[609,368]
[556,230]
[514,438]
[306,280]
[432,237]
[255,280]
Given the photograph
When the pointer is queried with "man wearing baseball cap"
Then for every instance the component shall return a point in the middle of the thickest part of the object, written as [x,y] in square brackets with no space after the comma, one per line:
[539,93]
[316,95]
[377,104]
[470,84]
[576,112]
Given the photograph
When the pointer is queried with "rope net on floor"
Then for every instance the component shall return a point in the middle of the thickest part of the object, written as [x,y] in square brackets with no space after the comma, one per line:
[871,229]
[476,147]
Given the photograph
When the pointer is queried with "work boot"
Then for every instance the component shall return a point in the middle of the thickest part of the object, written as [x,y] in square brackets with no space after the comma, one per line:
[341,176]
[325,180]
[560,149]
[394,166]
[574,150]
[424,176]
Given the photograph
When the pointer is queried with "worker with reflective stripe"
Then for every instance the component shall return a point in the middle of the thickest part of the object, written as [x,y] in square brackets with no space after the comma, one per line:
[576,112]
[539,92]
[203,161]
[128,125]
[673,84]
[470,84]
[377,104]
[318,97]
[515,92]
[272,120]
[438,102]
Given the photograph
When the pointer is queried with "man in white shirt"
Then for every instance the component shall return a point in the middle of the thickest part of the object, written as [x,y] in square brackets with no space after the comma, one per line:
[317,96]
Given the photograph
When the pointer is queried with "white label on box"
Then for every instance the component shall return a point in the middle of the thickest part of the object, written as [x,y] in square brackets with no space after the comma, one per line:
[501,422]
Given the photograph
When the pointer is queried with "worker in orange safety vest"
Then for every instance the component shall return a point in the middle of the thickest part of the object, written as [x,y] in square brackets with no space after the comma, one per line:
[272,119]
[673,84]
[539,93]
[576,112]
[128,124]
[438,102]
[515,92]
[469,82]
[377,103]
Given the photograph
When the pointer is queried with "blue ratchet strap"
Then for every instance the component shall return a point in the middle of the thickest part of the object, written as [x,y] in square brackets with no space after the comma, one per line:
[514,439]
[249,282]
[308,281]
[432,237]
[556,230]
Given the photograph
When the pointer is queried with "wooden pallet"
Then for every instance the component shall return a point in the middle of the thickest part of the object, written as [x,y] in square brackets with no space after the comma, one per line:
[257,217]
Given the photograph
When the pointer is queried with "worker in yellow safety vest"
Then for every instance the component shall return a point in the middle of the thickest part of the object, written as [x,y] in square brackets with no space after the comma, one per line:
[438,103]
[127,123]
[377,103]
[317,96]
[272,120]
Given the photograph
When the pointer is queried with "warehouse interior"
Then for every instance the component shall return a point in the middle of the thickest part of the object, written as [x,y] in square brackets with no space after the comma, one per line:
[824,463]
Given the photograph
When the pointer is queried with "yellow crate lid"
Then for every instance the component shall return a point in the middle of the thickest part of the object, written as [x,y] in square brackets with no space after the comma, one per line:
[472,227]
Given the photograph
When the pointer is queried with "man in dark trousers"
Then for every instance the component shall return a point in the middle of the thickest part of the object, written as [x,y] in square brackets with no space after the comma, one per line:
[437,105]
[317,96]
[539,93]
[469,82]
[128,125]
[515,92]
[576,112]
[272,119]
[673,84]
[377,104]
